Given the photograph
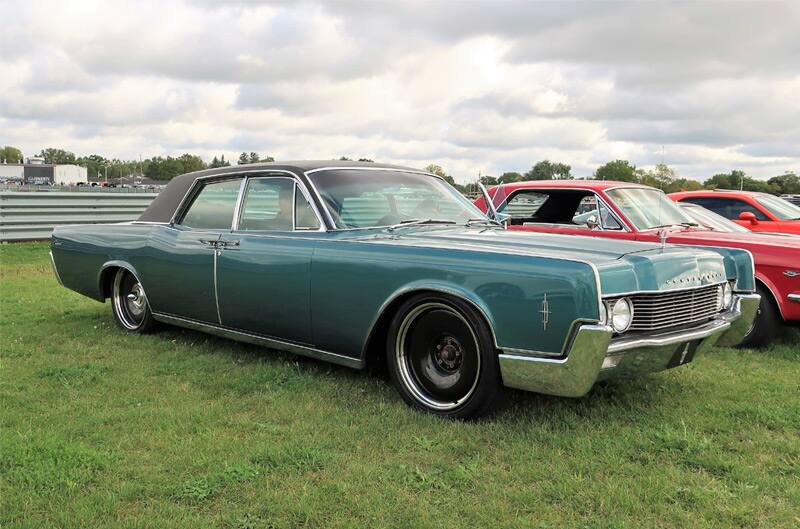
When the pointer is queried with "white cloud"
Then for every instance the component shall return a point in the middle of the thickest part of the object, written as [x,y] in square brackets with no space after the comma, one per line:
[486,87]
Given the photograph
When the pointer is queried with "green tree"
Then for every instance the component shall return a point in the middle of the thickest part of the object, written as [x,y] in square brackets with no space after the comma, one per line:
[219,162]
[509,177]
[57,156]
[365,160]
[191,163]
[243,159]
[661,177]
[786,184]
[617,171]
[547,170]
[9,154]
[437,170]
[737,179]
[488,180]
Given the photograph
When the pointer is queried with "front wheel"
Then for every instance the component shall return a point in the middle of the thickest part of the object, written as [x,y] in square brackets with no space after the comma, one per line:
[129,304]
[441,358]
[767,324]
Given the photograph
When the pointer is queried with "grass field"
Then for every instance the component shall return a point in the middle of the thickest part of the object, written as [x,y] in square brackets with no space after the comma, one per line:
[180,429]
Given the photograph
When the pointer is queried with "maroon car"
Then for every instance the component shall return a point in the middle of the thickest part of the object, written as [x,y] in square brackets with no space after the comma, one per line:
[621,210]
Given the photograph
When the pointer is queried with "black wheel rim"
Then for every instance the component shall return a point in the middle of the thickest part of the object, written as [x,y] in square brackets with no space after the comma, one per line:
[438,356]
[130,301]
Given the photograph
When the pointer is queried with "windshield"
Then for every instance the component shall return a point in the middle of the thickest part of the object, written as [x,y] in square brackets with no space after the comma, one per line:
[647,209]
[711,220]
[358,198]
[780,208]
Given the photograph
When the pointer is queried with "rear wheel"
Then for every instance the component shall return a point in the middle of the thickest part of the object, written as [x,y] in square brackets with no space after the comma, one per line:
[129,304]
[441,358]
[767,325]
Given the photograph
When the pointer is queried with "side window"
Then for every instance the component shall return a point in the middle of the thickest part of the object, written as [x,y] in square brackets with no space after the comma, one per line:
[730,208]
[305,218]
[737,207]
[607,219]
[212,208]
[524,205]
[274,204]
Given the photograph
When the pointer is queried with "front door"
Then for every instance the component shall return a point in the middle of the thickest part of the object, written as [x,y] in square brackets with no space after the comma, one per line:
[181,258]
[264,264]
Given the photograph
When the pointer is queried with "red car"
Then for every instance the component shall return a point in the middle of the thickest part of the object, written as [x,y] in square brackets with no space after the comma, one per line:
[754,211]
[635,212]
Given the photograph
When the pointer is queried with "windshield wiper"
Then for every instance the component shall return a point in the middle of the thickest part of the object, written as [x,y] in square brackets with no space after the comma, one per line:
[418,222]
[491,222]
[682,224]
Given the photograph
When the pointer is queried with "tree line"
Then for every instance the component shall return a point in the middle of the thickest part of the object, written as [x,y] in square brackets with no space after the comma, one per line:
[661,176]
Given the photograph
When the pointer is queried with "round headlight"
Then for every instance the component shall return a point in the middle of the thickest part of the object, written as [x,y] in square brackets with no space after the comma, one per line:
[727,296]
[621,315]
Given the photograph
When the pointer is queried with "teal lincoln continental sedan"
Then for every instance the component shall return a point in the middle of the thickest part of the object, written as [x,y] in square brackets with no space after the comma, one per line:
[350,262]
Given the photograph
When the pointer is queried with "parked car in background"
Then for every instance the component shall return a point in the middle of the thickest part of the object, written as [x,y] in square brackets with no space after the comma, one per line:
[347,262]
[794,199]
[755,211]
[641,213]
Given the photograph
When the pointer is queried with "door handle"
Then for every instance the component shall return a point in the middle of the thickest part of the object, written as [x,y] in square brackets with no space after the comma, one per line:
[228,244]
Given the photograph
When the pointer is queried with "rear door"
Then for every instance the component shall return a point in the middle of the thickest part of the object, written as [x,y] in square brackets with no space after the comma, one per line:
[264,264]
[181,258]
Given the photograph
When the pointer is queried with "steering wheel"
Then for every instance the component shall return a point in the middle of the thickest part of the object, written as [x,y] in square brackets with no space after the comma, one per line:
[389,219]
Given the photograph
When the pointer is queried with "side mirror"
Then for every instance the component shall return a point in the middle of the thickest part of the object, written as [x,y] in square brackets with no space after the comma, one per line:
[748,216]
[592,223]
[502,218]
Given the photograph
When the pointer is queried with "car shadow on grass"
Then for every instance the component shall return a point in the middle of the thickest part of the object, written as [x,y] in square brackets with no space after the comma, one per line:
[262,369]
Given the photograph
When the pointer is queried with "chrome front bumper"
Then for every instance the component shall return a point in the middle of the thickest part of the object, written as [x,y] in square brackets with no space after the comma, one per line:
[593,355]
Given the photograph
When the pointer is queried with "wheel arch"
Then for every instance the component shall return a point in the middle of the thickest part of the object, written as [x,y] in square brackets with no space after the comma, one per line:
[105,278]
[378,333]
[769,286]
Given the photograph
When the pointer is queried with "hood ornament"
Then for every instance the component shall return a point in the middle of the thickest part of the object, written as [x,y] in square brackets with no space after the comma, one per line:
[663,234]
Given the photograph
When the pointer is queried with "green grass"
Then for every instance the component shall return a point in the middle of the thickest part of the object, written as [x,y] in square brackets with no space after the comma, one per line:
[99,428]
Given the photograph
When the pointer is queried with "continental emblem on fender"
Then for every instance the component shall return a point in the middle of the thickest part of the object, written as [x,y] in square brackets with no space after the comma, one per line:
[545,312]
[791,273]
[710,277]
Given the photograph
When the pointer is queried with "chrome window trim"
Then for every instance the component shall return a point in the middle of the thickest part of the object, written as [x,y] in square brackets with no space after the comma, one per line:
[296,181]
[243,174]
[186,201]
[625,227]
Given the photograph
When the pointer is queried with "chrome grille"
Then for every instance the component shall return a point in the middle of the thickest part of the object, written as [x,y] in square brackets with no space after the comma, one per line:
[662,310]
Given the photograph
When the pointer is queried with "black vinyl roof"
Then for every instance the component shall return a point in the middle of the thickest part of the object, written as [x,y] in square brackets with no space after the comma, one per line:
[162,208]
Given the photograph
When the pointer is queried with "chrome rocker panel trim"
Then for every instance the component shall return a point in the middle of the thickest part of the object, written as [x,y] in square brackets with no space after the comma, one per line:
[258,339]
[593,355]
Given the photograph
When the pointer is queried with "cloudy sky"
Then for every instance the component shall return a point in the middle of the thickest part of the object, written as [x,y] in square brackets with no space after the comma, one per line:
[474,86]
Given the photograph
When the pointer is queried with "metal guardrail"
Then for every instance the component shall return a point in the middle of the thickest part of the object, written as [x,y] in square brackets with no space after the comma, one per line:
[32,216]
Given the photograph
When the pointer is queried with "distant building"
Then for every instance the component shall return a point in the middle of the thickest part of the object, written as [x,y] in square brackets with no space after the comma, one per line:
[39,173]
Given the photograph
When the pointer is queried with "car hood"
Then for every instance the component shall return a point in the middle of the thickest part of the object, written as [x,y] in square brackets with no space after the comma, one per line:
[623,266]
